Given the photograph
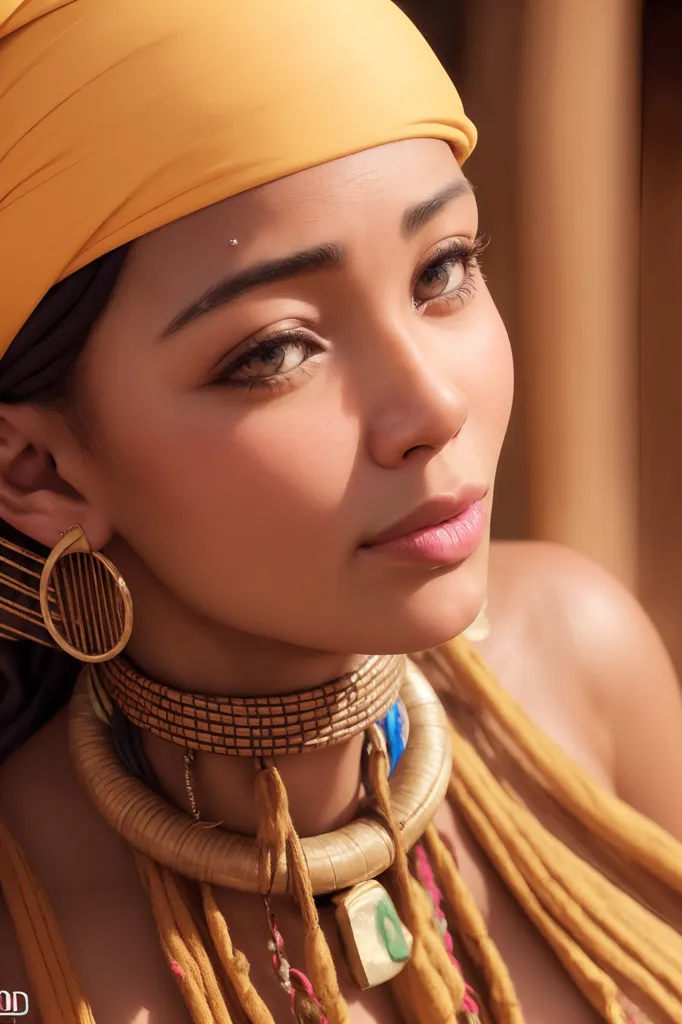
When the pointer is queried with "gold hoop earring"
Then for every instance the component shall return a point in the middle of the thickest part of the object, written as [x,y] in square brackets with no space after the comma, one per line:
[85,602]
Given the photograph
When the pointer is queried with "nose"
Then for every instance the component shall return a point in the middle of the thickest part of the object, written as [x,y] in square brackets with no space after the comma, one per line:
[417,407]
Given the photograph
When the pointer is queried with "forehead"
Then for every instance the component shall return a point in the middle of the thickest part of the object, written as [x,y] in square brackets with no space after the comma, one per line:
[318,201]
[356,202]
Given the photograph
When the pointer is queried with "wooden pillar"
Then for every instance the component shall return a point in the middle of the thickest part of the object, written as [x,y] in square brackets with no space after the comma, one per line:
[579,201]
[661,348]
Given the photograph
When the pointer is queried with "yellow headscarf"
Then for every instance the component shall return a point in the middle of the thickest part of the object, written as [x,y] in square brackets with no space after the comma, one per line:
[119,116]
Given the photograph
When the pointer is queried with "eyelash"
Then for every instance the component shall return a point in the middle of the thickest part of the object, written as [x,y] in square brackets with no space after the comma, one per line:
[265,349]
[450,254]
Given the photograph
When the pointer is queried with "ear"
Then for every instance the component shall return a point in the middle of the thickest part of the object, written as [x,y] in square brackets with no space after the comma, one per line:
[34,498]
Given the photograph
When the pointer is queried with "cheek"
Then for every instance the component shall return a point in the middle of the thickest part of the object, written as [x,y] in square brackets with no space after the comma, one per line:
[218,464]
[491,377]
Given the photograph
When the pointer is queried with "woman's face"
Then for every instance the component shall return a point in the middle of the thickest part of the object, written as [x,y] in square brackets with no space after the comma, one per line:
[255,427]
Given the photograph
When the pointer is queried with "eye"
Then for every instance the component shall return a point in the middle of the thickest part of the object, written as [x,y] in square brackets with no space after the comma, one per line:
[269,362]
[450,274]
[437,279]
[272,358]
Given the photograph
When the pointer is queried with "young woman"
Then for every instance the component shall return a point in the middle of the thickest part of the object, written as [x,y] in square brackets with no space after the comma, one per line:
[250,356]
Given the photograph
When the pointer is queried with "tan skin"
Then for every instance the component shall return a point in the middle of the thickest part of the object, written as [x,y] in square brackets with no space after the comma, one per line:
[238,527]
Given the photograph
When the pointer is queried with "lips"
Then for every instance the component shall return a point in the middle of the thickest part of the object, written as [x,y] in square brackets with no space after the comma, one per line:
[431,513]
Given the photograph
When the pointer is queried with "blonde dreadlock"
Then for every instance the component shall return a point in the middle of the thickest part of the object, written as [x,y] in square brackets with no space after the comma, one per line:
[617,952]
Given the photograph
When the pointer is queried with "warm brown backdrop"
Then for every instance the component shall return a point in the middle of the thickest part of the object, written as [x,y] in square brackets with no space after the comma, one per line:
[579,174]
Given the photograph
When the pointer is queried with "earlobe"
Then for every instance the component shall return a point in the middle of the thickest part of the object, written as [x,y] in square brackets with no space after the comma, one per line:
[34,499]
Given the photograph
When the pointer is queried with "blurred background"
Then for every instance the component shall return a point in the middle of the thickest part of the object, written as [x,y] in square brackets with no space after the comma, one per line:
[579,179]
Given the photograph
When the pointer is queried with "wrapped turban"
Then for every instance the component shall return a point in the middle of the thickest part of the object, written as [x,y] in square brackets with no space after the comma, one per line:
[119,116]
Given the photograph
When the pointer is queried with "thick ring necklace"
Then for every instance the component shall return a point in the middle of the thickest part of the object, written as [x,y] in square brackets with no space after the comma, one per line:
[337,860]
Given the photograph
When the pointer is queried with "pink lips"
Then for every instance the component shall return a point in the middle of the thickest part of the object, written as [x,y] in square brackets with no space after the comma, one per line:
[440,539]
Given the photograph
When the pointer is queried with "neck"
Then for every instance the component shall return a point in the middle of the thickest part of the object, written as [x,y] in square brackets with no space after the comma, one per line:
[324,786]
[177,647]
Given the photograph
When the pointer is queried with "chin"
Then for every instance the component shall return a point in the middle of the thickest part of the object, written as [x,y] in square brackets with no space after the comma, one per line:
[438,611]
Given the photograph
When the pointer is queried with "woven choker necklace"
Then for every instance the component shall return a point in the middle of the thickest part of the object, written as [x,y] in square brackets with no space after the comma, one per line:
[263,726]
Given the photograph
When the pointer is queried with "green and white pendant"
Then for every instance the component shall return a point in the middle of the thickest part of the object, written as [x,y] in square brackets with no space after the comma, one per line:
[377,943]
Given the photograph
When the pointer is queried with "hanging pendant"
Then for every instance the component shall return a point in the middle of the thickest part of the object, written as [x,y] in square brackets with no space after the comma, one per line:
[377,943]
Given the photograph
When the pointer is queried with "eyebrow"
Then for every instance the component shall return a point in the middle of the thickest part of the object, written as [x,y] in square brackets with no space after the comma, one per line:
[417,216]
[321,257]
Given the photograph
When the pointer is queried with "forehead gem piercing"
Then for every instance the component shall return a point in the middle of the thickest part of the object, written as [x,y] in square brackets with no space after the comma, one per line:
[233,241]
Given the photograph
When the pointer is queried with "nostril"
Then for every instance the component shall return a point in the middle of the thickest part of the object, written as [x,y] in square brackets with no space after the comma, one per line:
[417,448]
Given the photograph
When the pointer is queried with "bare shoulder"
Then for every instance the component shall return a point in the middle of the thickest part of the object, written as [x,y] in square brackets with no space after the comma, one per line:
[88,874]
[588,652]
[570,605]
[37,822]
[13,976]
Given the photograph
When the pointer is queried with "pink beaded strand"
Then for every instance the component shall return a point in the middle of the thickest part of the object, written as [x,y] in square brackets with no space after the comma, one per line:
[427,879]
[294,982]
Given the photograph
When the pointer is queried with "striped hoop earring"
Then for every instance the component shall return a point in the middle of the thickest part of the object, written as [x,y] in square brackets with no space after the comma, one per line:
[85,602]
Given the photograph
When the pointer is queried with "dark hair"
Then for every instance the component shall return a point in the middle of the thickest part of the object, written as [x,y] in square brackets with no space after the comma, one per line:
[39,368]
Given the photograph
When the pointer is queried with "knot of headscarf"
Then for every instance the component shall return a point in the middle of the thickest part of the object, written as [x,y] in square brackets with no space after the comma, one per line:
[119,117]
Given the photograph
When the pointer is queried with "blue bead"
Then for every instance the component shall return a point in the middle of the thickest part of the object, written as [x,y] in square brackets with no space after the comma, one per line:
[395,728]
